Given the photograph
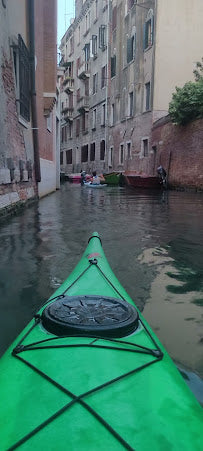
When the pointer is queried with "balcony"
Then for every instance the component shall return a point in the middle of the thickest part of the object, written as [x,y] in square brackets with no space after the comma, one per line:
[84,71]
[68,114]
[68,84]
[84,104]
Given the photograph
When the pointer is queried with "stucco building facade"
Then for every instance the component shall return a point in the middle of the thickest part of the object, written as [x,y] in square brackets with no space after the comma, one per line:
[124,59]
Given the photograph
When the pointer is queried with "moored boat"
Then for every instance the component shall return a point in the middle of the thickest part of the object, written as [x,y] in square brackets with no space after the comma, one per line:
[141,180]
[88,373]
[113,178]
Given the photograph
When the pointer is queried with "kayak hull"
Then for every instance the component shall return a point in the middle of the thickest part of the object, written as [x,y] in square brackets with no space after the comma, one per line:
[85,393]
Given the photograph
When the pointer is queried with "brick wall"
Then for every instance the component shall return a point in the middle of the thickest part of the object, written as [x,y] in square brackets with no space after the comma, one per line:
[180,151]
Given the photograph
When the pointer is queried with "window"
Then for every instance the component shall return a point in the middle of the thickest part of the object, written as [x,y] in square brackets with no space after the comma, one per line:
[102,37]
[95,10]
[78,94]
[61,157]
[113,66]
[79,35]
[147,96]
[70,130]
[112,114]
[131,103]
[84,153]
[87,87]
[78,127]
[103,117]
[70,100]
[87,22]
[94,119]
[121,154]
[145,147]
[131,43]
[78,64]
[92,152]
[95,83]
[71,45]
[22,78]
[87,52]
[64,134]
[49,122]
[114,18]
[128,150]
[110,157]
[94,45]
[69,156]
[85,123]
[103,76]
[148,33]
[102,150]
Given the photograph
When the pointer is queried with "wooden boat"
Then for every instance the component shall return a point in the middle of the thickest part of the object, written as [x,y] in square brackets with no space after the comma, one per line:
[88,373]
[113,178]
[141,180]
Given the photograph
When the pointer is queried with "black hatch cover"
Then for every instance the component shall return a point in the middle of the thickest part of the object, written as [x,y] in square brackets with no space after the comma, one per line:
[96,316]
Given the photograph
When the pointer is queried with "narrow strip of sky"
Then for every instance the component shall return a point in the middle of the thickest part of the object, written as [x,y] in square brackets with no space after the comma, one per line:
[66,12]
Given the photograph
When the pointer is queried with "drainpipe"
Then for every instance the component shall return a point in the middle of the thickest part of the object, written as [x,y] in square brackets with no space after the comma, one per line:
[31,15]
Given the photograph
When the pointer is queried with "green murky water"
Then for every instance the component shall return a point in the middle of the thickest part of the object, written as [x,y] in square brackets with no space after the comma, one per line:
[154,244]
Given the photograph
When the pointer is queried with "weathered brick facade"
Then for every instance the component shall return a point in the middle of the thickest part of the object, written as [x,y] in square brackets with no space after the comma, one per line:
[179,149]
[18,155]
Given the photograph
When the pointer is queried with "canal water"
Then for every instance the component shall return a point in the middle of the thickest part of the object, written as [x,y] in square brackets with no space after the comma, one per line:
[153,242]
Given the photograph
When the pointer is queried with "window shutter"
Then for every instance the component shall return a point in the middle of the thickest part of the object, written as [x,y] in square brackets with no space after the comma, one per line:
[152,30]
[144,36]
[129,50]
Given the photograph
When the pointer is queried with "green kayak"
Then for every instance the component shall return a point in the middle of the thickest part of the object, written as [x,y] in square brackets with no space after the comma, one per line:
[89,374]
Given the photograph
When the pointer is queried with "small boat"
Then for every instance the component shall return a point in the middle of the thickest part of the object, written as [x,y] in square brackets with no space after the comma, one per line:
[94,185]
[88,373]
[113,178]
[76,178]
[141,180]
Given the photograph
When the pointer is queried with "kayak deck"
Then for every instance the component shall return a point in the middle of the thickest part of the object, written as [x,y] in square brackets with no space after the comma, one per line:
[87,392]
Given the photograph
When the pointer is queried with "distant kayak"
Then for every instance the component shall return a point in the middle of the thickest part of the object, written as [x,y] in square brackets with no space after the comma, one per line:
[92,185]
[89,374]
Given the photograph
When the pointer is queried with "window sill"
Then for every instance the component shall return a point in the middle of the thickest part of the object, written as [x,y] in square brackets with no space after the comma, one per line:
[148,48]
[103,125]
[23,122]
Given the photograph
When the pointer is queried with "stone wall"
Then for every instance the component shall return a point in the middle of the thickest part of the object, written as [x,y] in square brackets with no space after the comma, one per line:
[179,149]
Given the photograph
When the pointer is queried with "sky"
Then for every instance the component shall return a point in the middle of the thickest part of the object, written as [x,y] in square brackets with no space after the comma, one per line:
[66,11]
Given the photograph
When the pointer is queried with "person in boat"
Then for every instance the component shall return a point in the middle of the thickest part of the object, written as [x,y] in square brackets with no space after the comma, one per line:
[95,180]
[83,177]
[162,175]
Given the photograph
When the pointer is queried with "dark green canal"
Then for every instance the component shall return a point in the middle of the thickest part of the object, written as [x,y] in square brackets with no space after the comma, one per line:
[154,244]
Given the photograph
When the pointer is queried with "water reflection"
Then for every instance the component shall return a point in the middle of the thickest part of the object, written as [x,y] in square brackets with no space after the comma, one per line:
[153,241]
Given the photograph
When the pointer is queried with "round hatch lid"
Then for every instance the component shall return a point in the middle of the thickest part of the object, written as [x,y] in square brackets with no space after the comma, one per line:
[97,316]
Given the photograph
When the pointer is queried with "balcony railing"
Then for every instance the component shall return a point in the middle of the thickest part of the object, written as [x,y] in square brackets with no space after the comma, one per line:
[84,104]
[68,114]
[68,84]
[84,71]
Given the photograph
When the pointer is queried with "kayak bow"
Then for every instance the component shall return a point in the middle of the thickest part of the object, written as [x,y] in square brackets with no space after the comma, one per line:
[88,373]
